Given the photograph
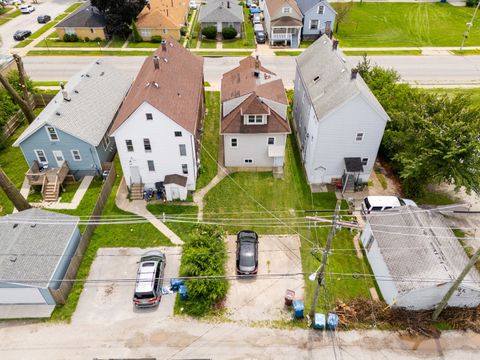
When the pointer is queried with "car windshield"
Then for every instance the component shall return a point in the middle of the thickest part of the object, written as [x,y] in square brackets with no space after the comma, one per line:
[401,201]
[367,203]
[145,295]
[247,254]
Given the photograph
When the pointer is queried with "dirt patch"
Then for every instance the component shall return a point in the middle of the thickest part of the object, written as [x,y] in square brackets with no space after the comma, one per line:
[386,175]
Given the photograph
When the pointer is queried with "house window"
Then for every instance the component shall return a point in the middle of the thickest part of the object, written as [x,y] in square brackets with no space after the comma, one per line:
[185,168]
[234,142]
[129,144]
[183,150]
[313,24]
[52,133]
[369,244]
[146,32]
[178,133]
[321,9]
[41,156]
[146,145]
[271,141]
[255,119]
[149,116]
[165,31]
[248,161]
[364,161]
[92,30]
[286,10]
[70,31]
[151,165]
[106,142]
[359,136]
[76,155]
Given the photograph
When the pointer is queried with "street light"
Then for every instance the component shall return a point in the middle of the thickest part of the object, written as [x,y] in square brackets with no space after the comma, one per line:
[469,26]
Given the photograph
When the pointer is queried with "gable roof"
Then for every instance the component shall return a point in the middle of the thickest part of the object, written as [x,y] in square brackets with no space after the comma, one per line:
[175,88]
[306,5]
[85,16]
[219,10]
[242,81]
[96,94]
[418,244]
[32,243]
[327,79]
[163,14]
[175,179]
[274,5]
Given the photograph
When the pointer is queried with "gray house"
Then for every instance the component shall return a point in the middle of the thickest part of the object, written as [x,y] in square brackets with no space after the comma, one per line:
[283,22]
[339,122]
[221,14]
[71,132]
[34,256]
[318,18]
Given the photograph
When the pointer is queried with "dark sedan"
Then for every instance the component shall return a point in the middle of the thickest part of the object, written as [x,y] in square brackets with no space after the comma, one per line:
[260,37]
[43,19]
[22,35]
[247,253]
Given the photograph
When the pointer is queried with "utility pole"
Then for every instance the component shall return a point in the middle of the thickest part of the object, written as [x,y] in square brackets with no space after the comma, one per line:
[326,252]
[469,26]
[22,77]
[441,305]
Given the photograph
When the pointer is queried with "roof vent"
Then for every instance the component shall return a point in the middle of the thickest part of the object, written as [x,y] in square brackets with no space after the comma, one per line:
[156,62]
[12,258]
[97,62]
[165,59]
[354,73]
[164,46]
[57,113]
[87,75]
[335,45]
[102,73]
[256,73]
[316,78]
[171,44]
[66,97]
[147,84]
[15,226]
[75,91]
[33,225]
[155,84]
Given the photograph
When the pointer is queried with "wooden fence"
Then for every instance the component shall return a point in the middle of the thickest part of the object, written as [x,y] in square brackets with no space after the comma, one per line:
[61,294]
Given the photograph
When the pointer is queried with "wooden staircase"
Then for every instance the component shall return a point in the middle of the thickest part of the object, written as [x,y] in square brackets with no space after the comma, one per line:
[50,192]
[136,192]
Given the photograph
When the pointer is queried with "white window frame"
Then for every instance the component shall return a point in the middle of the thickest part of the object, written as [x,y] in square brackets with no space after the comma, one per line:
[177,134]
[185,169]
[248,161]
[182,148]
[147,115]
[311,22]
[106,142]
[146,32]
[362,136]
[236,142]
[257,119]
[126,145]
[268,140]
[44,155]
[50,134]
[322,8]
[74,156]
[146,141]
[152,169]
[286,10]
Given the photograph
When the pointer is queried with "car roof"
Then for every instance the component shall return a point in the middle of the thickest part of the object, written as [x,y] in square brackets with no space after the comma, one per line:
[146,276]
[383,201]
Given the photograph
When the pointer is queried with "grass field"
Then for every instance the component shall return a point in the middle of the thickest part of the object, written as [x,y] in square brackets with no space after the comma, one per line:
[466,52]
[474,93]
[247,40]
[406,24]
[208,44]
[287,53]
[381,52]
[63,44]
[143,44]
[88,53]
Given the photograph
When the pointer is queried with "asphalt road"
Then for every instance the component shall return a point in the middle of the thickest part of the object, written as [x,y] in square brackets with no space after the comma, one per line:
[439,70]
[29,21]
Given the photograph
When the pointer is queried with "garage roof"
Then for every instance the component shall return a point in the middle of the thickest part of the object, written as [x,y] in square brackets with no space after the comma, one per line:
[32,243]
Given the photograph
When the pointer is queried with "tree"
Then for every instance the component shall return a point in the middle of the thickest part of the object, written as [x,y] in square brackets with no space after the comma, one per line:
[12,192]
[210,32]
[342,10]
[119,14]
[24,105]
[135,33]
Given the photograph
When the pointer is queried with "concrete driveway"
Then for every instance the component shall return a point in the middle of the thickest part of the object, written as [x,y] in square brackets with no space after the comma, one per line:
[111,301]
[261,298]
[29,21]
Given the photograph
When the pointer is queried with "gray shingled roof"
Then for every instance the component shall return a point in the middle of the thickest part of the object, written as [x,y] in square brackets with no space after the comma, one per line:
[327,77]
[306,5]
[85,16]
[216,10]
[96,94]
[417,244]
[30,254]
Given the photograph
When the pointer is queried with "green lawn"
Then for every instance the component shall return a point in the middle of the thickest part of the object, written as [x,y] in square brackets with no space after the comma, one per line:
[474,93]
[210,137]
[180,213]
[222,53]
[247,40]
[194,34]
[23,43]
[208,44]
[406,24]
[73,7]
[78,44]
[70,190]
[287,53]
[117,42]
[88,53]
[4,18]
[466,52]
[381,52]
[61,17]
[435,198]
[48,83]
[143,44]
[43,29]
[306,43]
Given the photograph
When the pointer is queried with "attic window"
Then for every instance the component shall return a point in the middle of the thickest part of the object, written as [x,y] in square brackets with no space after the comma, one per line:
[316,78]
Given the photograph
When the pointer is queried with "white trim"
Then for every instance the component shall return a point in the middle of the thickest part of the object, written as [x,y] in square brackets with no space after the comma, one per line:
[55,153]
[49,134]
[310,26]
[44,155]
[321,7]
[286,10]
[73,155]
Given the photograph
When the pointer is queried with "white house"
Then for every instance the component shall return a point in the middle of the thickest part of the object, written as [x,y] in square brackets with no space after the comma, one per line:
[283,22]
[339,122]
[415,258]
[254,121]
[157,127]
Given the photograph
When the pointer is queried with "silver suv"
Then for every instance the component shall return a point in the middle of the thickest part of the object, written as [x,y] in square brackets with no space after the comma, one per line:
[148,286]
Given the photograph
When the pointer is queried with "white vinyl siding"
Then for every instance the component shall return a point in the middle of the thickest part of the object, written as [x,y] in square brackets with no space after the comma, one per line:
[234,142]
[359,136]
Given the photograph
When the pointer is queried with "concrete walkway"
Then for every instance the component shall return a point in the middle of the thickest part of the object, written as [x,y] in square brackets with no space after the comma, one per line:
[189,30]
[139,207]
[200,194]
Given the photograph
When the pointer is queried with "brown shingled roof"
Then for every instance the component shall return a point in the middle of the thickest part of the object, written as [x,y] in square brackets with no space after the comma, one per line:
[163,14]
[175,179]
[175,89]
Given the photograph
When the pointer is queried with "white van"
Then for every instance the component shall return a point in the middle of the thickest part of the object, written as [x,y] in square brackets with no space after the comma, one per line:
[382,203]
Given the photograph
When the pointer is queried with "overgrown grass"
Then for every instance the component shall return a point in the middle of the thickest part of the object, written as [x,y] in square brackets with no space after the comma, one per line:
[381,52]
[287,53]
[210,138]
[88,53]
[405,25]
[64,44]
[434,198]
[474,93]
[382,180]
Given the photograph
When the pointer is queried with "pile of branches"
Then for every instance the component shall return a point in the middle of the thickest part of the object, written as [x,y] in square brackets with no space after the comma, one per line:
[361,311]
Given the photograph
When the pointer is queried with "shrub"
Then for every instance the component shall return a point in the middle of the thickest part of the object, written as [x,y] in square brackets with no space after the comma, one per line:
[86,39]
[471,3]
[97,39]
[229,33]
[135,34]
[156,39]
[70,38]
[210,32]
[183,30]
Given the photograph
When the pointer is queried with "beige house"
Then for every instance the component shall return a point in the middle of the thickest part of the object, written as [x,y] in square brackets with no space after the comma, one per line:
[85,22]
[162,18]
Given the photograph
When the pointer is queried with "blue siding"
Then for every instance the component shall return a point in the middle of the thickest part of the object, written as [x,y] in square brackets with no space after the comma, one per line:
[312,14]
[106,155]
[40,140]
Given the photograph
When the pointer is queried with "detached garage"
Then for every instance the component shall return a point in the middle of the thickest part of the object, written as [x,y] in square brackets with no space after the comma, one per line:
[36,247]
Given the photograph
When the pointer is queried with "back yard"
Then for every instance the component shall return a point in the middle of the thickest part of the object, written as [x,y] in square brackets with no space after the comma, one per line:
[406,24]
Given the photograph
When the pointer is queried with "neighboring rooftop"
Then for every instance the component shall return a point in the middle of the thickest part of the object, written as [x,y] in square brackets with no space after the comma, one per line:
[418,244]
[31,251]
[275,5]
[85,16]
[221,10]
[165,14]
[306,5]
[175,88]
[328,79]
[95,95]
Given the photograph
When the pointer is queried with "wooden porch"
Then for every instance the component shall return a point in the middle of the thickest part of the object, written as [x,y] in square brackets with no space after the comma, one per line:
[50,179]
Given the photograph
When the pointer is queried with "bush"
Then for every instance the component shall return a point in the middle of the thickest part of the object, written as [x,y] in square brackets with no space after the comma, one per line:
[183,30]
[86,39]
[97,39]
[229,33]
[471,3]
[70,38]
[210,32]
[135,34]
[156,39]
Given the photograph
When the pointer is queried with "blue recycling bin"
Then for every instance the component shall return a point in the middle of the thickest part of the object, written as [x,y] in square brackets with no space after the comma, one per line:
[298,308]
[183,291]
[319,322]
[176,283]
[332,321]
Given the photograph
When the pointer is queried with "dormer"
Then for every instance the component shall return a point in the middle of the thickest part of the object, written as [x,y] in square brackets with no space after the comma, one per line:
[255,117]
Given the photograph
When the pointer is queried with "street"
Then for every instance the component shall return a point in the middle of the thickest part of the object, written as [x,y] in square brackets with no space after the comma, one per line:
[29,21]
[440,70]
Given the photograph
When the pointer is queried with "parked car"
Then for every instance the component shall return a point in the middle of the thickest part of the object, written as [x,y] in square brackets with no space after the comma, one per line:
[13,2]
[148,286]
[382,203]
[247,253]
[256,19]
[260,37]
[43,19]
[258,28]
[21,35]
[27,9]
[193,4]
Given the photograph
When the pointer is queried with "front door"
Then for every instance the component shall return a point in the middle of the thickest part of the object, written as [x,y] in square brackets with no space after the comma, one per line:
[135,175]
[328,27]
[58,155]
[219,26]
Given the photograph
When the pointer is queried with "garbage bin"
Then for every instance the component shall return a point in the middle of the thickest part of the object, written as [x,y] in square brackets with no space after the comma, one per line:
[298,308]
[332,321]
[289,296]
[319,322]
[183,291]
[176,283]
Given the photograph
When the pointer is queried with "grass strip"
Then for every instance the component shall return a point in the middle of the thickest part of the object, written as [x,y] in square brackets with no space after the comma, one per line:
[222,53]
[287,53]
[466,52]
[381,52]
[88,53]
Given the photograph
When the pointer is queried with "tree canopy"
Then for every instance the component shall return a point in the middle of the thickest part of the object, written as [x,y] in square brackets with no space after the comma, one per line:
[119,14]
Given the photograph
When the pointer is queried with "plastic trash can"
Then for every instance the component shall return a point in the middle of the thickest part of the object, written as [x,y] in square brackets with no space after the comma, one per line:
[176,283]
[183,291]
[332,321]
[289,296]
[298,308]
[319,322]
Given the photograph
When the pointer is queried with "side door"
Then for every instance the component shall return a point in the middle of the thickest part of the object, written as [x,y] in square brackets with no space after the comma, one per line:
[58,156]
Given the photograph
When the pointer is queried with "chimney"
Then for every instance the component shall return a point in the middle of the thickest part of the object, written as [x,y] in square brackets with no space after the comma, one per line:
[156,62]
[148,6]
[228,4]
[65,93]
[164,46]
[354,73]
[335,45]
[257,63]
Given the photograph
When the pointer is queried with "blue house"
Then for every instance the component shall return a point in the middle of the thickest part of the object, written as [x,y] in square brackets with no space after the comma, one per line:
[36,248]
[70,134]
[318,18]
